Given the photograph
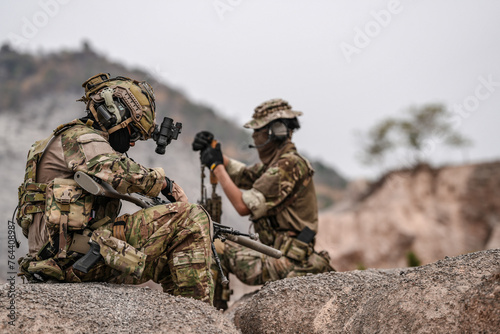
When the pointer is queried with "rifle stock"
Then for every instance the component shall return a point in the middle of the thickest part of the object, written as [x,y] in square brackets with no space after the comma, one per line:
[103,189]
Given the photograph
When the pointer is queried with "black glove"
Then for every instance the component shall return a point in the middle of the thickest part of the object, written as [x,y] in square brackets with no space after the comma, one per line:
[202,140]
[212,157]
[167,191]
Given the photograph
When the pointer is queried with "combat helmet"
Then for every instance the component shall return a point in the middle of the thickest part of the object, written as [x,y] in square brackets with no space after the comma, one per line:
[271,110]
[116,103]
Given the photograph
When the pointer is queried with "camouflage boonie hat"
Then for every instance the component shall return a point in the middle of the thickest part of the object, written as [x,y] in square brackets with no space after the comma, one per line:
[270,110]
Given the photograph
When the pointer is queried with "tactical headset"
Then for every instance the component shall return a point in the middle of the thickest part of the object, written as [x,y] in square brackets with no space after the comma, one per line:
[277,130]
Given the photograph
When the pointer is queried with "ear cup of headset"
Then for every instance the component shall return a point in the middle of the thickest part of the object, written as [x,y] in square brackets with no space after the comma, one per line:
[111,118]
[278,131]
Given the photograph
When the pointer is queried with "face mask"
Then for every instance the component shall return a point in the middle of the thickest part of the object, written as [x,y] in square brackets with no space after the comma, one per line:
[120,140]
[267,149]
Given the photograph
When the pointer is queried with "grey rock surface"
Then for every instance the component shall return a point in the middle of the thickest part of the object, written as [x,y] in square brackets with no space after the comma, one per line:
[106,308]
[453,295]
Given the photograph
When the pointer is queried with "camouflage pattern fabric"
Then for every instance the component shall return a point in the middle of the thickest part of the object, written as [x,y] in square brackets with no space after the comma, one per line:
[279,181]
[254,268]
[291,205]
[82,145]
[270,110]
[175,239]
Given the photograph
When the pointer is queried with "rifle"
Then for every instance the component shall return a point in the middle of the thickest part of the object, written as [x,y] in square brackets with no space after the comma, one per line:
[98,188]
[213,206]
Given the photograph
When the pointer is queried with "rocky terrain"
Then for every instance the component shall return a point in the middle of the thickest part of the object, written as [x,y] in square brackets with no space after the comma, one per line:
[414,216]
[453,295]
[107,308]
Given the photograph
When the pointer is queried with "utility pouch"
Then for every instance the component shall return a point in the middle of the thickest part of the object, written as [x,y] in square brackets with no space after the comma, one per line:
[293,248]
[120,255]
[67,204]
[48,268]
[31,200]
[263,227]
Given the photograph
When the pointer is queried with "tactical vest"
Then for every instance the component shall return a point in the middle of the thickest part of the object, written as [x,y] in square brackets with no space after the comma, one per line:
[34,196]
[267,227]
[67,207]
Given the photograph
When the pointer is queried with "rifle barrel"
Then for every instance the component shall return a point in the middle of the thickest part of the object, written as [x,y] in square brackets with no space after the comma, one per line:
[259,247]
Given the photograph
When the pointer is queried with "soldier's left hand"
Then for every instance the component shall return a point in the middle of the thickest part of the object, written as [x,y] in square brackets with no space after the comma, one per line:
[201,140]
[212,157]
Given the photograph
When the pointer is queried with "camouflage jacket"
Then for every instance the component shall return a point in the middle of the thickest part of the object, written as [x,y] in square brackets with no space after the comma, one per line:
[78,147]
[283,189]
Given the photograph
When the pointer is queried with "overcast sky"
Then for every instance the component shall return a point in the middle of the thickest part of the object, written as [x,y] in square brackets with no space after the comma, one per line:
[345,64]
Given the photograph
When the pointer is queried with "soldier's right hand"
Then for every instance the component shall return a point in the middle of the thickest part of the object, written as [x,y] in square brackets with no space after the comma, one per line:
[202,140]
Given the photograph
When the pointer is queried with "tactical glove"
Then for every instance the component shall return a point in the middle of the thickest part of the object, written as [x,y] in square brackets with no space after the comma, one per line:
[202,140]
[167,191]
[212,157]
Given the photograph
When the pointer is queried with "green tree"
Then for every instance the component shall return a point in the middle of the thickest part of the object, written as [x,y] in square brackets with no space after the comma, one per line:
[419,128]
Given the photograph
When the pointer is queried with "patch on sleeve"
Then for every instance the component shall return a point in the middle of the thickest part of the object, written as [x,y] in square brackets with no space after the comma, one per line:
[94,145]
[255,202]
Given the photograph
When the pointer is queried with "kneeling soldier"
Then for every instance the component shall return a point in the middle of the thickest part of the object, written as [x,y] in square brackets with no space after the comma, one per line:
[169,243]
[278,194]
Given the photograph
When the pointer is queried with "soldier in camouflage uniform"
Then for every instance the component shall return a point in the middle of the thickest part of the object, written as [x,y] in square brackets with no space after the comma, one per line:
[169,244]
[278,194]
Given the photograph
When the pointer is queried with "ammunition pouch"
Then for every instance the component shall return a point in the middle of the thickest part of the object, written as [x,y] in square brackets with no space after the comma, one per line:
[285,241]
[265,227]
[31,197]
[293,248]
[67,204]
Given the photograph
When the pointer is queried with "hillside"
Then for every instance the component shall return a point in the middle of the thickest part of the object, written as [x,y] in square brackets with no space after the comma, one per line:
[415,216]
[31,78]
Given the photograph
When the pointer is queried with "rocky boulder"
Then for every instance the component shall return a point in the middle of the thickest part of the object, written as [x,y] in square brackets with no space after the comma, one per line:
[453,295]
[105,308]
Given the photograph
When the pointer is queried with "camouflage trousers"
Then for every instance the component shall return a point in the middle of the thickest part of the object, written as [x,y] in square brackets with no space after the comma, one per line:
[175,238]
[254,268]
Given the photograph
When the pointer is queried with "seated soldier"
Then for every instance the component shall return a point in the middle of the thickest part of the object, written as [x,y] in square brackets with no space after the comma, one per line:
[278,195]
[169,243]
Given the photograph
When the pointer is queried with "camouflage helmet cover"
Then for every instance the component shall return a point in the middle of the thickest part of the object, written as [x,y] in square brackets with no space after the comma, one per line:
[137,96]
[269,111]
